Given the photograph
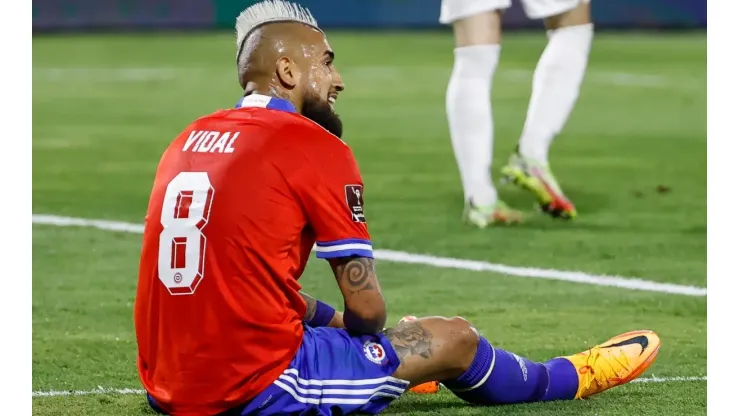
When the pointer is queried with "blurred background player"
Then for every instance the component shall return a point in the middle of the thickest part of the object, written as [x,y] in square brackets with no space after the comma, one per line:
[555,88]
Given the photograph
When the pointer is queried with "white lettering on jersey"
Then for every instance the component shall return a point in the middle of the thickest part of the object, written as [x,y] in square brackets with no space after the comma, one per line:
[221,143]
[230,146]
[204,141]
[208,142]
[194,135]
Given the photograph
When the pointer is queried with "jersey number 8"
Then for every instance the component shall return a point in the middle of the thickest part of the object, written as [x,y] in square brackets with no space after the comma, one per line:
[182,245]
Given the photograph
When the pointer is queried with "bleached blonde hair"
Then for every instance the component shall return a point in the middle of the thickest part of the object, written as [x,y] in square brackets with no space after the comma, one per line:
[269,11]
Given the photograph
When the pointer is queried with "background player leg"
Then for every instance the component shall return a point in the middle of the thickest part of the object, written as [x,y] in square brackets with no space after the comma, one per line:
[452,351]
[470,118]
[555,89]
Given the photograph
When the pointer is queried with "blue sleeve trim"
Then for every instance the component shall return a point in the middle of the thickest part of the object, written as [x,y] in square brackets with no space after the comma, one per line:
[342,242]
[344,253]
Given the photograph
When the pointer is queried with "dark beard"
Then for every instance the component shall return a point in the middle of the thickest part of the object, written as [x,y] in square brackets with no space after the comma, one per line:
[322,114]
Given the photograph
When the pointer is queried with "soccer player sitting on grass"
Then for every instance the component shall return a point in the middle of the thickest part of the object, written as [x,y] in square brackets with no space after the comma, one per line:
[239,199]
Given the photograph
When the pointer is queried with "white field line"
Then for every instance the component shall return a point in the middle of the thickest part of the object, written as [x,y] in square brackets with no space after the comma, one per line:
[119,391]
[98,390]
[434,261]
[146,74]
[654,379]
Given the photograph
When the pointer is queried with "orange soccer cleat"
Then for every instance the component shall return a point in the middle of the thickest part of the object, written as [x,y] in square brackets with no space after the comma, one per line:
[426,388]
[615,362]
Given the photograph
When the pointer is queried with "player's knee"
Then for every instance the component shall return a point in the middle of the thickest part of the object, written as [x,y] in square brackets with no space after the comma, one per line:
[463,339]
[464,331]
[580,15]
[479,29]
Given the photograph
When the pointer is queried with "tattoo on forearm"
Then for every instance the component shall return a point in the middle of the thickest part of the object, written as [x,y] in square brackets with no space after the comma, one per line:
[358,274]
[410,338]
[310,306]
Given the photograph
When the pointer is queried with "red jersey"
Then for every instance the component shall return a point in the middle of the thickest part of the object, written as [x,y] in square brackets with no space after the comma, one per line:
[238,201]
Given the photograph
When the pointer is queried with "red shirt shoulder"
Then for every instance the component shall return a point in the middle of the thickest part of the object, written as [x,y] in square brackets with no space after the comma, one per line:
[324,175]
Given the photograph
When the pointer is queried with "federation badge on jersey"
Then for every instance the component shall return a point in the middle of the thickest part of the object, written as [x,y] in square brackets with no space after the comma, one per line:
[355,203]
[374,352]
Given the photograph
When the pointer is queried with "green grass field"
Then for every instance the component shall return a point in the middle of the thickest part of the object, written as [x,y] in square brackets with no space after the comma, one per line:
[104,108]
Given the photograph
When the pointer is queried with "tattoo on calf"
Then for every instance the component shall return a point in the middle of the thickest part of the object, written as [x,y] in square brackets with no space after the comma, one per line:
[410,338]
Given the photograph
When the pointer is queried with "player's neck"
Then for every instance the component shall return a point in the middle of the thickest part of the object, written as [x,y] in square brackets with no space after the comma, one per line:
[270,91]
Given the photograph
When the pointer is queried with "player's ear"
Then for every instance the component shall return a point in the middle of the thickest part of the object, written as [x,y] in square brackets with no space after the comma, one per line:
[287,72]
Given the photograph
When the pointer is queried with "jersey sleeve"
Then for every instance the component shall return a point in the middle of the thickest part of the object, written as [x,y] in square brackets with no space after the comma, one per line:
[330,189]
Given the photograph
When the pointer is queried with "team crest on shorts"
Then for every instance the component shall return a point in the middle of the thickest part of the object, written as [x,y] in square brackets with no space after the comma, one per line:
[355,203]
[374,352]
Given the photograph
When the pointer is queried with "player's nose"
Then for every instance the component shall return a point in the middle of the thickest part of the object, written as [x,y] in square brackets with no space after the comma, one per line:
[338,84]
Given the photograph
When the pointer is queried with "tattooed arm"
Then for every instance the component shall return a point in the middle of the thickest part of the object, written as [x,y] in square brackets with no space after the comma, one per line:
[310,306]
[336,322]
[364,307]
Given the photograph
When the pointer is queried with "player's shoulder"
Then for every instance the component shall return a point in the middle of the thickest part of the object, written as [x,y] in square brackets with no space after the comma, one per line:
[253,121]
[291,124]
[243,117]
[288,134]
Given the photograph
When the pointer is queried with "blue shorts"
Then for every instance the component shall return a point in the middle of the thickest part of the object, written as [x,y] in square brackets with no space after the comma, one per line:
[333,373]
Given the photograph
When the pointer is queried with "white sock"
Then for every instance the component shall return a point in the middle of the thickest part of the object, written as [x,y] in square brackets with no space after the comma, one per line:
[555,88]
[471,120]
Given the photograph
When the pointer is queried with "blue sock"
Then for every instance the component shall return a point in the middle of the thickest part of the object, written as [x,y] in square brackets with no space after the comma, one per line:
[498,377]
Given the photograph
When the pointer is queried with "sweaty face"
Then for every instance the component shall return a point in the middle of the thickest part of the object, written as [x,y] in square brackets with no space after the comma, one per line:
[321,86]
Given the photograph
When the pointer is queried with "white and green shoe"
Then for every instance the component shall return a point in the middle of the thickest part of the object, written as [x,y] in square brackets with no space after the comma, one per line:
[538,179]
[496,214]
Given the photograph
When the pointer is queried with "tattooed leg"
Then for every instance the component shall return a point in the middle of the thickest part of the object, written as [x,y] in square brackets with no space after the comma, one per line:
[451,351]
[433,348]
[410,339]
